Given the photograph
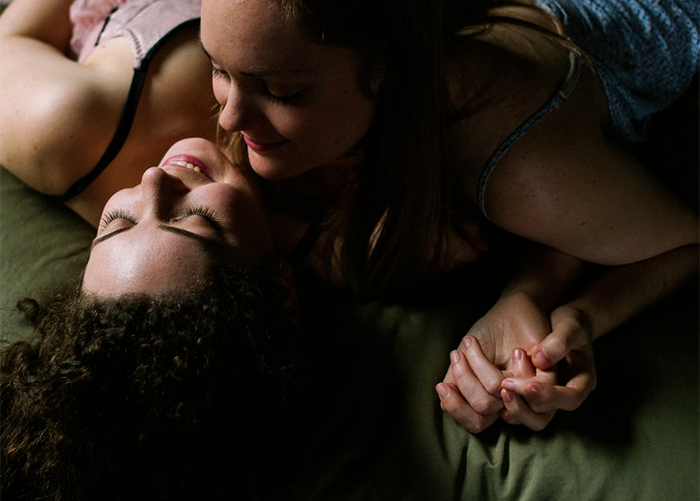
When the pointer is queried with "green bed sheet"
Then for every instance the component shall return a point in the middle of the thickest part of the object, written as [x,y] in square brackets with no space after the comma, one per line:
[383,436]
[380,435]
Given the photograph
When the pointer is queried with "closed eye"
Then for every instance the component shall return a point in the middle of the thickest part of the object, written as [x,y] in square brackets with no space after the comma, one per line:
[111,216]
[288,100]
[120,214]
[205,213]
[218,73]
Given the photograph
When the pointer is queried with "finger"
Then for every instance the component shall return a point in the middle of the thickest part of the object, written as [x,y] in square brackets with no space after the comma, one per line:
[581,369]
[522,365]
[543,396]
[470,386]
[505,413]
[550,351]
[571,396]
[566,335]
[452,402]
[540,397]
[517,411]
[449,377]
[483,368]
[581,382]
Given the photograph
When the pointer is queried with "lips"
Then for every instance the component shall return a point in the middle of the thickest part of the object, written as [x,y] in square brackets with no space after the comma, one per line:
[261,147]
[190,163]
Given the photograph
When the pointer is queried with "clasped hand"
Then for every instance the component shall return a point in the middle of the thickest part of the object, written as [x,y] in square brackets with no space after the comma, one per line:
[510,363]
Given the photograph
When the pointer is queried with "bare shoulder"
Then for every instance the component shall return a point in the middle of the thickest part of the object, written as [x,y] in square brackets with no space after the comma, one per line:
[179,73]
[57,117]
[55,114]
[499,78]
[176,102]
[564,183]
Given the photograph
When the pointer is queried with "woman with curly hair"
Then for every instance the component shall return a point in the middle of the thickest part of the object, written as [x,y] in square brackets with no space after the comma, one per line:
[189,395]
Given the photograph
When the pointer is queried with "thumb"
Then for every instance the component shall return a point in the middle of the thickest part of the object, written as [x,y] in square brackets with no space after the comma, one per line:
[566,335]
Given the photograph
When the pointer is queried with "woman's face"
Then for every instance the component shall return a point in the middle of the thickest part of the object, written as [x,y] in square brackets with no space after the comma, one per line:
[297,104]
[189,214]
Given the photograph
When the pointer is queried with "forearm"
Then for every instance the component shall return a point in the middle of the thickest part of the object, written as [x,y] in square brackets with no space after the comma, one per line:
[44,20]
[624,291]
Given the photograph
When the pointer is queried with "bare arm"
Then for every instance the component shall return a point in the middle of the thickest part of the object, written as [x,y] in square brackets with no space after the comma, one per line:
[471,390]
[569,187]
[44,20]
[655,254]
[506,369]
[566,185]
[56,116]
[623,291]
[597,205]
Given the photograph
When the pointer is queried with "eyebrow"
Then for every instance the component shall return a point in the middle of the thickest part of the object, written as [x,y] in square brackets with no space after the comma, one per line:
[179,231]
[254,73]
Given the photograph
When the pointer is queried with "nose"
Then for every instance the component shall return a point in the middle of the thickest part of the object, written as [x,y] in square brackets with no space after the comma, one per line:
[161,191]
[238,112]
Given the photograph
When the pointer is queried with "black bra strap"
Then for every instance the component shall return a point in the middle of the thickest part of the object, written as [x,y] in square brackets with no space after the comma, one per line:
[125,121]
[123,129]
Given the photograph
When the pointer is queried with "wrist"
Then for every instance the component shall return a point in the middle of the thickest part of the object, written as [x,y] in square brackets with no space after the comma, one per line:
[576,319]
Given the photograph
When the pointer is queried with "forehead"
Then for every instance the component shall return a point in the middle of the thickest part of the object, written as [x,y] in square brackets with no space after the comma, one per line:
[143,261]
[256,37]
[231,29]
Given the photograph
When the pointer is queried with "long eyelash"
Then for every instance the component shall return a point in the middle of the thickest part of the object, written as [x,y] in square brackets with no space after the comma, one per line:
[289,100]
[217,73]
[114,215]
[283,100]
[204,212]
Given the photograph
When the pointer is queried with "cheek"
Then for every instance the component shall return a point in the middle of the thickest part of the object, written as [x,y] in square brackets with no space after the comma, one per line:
[348,108]
[244,215]
[346,120]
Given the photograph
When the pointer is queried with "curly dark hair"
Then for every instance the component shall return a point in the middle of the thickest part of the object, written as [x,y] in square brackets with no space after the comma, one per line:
[187,396]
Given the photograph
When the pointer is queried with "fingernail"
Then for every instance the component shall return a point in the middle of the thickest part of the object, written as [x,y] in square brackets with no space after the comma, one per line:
[541,360]
[508,384]
[454,357]
[442,391]
[467,341]
[517,354]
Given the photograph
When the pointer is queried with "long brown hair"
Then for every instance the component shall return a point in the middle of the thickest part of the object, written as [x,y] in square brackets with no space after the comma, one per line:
[387,225]
[405,182]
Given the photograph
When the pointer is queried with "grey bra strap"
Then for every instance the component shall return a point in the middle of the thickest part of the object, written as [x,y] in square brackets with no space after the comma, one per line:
[567,87]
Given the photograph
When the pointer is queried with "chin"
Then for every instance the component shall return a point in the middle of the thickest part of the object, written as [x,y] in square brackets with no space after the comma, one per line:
[273,170]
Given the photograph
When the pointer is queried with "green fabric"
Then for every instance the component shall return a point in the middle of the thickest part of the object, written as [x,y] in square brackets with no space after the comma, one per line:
[635,438]
[378,433]
[41,245]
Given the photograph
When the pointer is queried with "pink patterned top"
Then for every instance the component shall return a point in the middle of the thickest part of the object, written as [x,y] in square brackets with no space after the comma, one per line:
[143,22]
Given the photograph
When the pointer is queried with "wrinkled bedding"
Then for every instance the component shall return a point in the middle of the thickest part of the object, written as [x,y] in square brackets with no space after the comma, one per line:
[383,436]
